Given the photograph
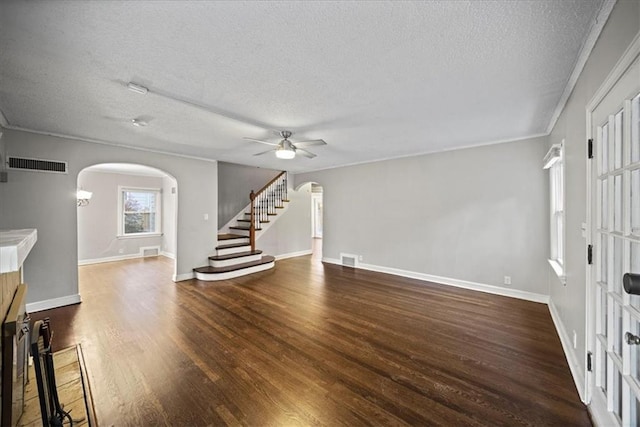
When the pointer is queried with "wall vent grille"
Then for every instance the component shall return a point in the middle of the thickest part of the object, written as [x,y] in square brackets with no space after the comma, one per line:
[349,260]
[37,165]
[150,251]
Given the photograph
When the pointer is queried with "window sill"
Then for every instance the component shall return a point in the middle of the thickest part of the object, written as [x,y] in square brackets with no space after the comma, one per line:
[138,236]
[557,268]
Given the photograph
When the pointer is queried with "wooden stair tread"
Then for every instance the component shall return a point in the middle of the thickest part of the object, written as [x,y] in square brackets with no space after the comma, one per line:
[233,245]
[248,220]
[212,270]
[235,255]
[230,236]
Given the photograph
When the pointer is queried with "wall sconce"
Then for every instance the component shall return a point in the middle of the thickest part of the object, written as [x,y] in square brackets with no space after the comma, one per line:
[83,197]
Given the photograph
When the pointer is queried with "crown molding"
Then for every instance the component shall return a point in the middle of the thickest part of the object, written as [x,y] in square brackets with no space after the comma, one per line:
[583,56]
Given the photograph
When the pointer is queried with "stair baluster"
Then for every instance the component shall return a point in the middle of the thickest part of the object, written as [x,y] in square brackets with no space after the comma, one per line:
[264,202]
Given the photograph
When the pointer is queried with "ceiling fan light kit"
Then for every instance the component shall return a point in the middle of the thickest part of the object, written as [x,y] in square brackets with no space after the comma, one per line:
[287,149]
[285,153]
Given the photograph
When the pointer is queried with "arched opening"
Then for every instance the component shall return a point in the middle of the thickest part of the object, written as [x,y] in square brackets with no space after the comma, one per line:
[317,217]
[126,211]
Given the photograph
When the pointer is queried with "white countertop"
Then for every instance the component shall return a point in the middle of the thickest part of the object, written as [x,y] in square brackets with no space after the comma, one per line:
[15,245]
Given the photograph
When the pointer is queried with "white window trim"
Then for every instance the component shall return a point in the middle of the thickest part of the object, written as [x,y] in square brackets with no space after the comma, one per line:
[553,159]
[157,232]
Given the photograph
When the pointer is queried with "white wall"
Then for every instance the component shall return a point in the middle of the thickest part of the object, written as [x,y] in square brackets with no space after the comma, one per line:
[570,300]
[291,232]
[47,202]
[169,217]
[235,182]
[98,221]
[476,214]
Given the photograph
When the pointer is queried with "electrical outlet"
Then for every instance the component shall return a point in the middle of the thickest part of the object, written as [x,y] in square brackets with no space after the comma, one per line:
[575,340]
[121,251]
[359,257]
[507,280]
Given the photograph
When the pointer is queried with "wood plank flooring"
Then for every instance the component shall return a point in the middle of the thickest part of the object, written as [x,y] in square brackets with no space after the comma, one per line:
[312,344]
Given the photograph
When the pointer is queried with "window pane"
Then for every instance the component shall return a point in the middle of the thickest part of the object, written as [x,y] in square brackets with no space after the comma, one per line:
[617,265]
[635,202]
[560,238]
[617,203]
[617,393]
[604,206]
[635,268]
[635,129]
[617,141]
[603,311]
[617,329]
[603,258]
[604,165]
[604,371]
[139,211]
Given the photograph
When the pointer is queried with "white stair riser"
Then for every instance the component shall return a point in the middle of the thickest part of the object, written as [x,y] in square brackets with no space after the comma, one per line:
[227,251]
[234,261]
[234,241]
[240,231]
[210,277]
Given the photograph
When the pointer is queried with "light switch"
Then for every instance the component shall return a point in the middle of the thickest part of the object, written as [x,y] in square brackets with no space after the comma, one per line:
[206,217]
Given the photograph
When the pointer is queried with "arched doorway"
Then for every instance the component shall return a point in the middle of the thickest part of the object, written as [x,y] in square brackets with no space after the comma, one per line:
[126,211]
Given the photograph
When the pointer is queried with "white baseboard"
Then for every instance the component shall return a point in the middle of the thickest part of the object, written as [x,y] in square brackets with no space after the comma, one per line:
[181,277]
[122,257]
[496,290]
[565,340]
[108,259]
[293,254]
[168,254]
[32,307]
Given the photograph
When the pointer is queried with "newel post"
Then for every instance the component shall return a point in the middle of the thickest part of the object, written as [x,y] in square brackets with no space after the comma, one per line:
[252,227]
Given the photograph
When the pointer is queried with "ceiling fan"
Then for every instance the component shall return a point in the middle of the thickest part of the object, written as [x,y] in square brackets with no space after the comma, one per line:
[286,149]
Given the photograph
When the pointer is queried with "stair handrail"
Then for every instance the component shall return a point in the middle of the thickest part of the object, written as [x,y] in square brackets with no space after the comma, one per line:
[254,196]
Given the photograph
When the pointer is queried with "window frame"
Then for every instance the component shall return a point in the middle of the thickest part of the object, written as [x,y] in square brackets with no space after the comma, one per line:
[557,220]
[121,234]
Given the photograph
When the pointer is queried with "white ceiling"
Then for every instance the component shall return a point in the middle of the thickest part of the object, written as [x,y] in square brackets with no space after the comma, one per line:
[375,80]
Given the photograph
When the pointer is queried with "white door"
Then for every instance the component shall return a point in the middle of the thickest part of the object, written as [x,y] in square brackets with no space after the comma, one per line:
[615,235]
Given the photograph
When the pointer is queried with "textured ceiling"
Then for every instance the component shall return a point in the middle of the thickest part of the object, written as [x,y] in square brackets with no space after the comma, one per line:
[375,80]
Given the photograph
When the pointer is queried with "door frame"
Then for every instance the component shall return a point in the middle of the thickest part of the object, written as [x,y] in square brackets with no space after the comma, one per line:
[626,60]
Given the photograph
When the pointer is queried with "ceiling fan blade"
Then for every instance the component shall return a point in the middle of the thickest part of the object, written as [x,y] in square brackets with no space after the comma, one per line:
[305,153]
[310,143]
[264,152]
[261,141]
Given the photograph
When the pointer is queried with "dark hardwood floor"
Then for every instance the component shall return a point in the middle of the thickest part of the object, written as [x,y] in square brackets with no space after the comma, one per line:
[312,344]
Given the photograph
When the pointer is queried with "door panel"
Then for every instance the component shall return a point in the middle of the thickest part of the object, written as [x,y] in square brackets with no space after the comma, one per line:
[615,231]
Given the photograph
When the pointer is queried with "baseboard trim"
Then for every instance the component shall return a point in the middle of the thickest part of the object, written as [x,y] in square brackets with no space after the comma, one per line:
[126,257]
[168,254]
[481,287]
[182,277]
[565,340]
[48,304]
[293,254]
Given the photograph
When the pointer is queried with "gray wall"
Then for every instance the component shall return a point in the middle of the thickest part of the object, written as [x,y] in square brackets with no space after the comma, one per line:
[47,202]
[235,182]
[570,300]
[291,232]
[98,221]
[169,217]
[476,214]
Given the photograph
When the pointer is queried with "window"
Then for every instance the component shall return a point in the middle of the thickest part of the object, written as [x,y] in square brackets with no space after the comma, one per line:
[138,211]
[554,162]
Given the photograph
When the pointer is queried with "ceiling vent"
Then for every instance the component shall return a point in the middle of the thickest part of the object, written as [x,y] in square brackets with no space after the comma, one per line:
[37,165]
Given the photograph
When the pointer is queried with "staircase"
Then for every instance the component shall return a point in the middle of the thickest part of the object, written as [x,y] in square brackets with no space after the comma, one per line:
[236,253]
